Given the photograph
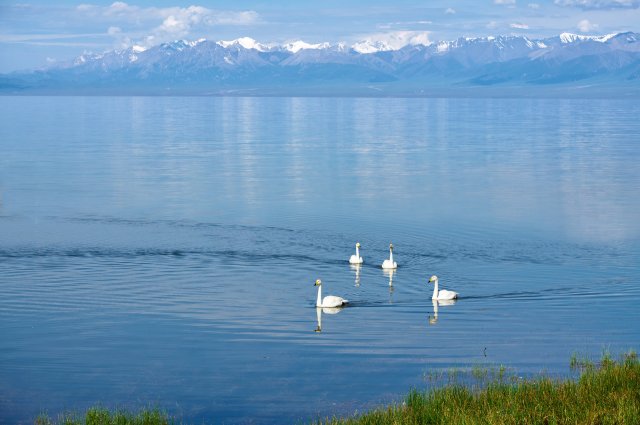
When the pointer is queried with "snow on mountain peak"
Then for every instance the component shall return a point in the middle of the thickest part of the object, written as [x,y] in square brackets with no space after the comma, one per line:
[475,48]
[392,41]
[567,37]
[368,46]
[246,42]
[604,38]
[296,46]
[443,46]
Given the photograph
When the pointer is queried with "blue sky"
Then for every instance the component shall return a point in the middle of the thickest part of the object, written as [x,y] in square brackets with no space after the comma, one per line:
[36,33]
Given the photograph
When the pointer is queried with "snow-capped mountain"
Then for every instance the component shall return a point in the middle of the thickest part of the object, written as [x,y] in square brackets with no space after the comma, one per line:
[245,64]
[246,43]
[566,37]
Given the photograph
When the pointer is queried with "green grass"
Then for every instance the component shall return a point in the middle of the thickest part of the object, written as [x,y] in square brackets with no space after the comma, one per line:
[607,392]
[102,416]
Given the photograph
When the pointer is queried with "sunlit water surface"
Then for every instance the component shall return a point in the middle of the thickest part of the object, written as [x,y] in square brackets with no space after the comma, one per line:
[162,251]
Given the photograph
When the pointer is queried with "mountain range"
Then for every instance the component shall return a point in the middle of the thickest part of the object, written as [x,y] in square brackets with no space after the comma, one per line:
[501,64]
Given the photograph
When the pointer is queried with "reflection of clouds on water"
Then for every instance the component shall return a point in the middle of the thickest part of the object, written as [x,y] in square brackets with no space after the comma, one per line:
[325,310]
[246,139]
[246,157]
[575,180]
[434,319]
[295,113]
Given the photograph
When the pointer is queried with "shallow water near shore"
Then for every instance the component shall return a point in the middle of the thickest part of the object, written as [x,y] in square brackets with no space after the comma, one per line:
[163,251]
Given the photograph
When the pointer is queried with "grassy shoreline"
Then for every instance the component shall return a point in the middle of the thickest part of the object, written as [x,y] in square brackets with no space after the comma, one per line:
[607,392]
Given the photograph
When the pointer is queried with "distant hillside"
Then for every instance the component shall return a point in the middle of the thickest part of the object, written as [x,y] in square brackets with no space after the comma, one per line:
[567,63]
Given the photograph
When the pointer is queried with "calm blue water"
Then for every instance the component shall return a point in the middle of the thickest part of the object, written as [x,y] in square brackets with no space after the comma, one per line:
[162,251]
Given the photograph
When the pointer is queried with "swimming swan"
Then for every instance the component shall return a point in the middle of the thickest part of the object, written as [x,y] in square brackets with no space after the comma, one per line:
[441,295]
[389,263]
[356,259]
[329,300]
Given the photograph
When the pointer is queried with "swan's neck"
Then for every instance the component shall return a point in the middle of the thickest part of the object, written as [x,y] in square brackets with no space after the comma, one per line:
[357,252]
[391,256]
[435,290]
[319,300]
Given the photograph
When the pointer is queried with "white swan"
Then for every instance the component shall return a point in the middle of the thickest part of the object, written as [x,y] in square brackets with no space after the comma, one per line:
[441,295]
[329,300]
[389,263]
[356,259]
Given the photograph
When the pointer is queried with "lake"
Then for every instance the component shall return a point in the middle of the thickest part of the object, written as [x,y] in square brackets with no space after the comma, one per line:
[162,251]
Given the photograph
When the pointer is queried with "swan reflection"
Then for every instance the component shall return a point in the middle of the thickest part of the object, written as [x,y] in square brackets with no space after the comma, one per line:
[436,303]
[325,310]
[390,273]
[356,268]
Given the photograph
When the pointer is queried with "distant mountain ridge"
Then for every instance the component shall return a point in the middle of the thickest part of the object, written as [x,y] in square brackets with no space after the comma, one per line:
[245,66]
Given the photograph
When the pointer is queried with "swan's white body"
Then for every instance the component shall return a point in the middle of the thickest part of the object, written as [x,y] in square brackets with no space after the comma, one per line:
[356,259]
[443,294]
[329,300]
[389,263]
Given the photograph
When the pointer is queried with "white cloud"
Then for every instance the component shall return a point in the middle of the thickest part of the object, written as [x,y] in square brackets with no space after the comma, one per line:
[504,2]
[450,11]
[403,24]
[121,40]
[163,24]
[586,26]
[35,38]
[120,8]
[534,6]
[519,26]
[492,25]
[84,7]
[599,4]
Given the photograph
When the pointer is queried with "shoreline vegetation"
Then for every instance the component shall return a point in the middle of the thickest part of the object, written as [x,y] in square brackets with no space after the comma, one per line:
[606,392]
